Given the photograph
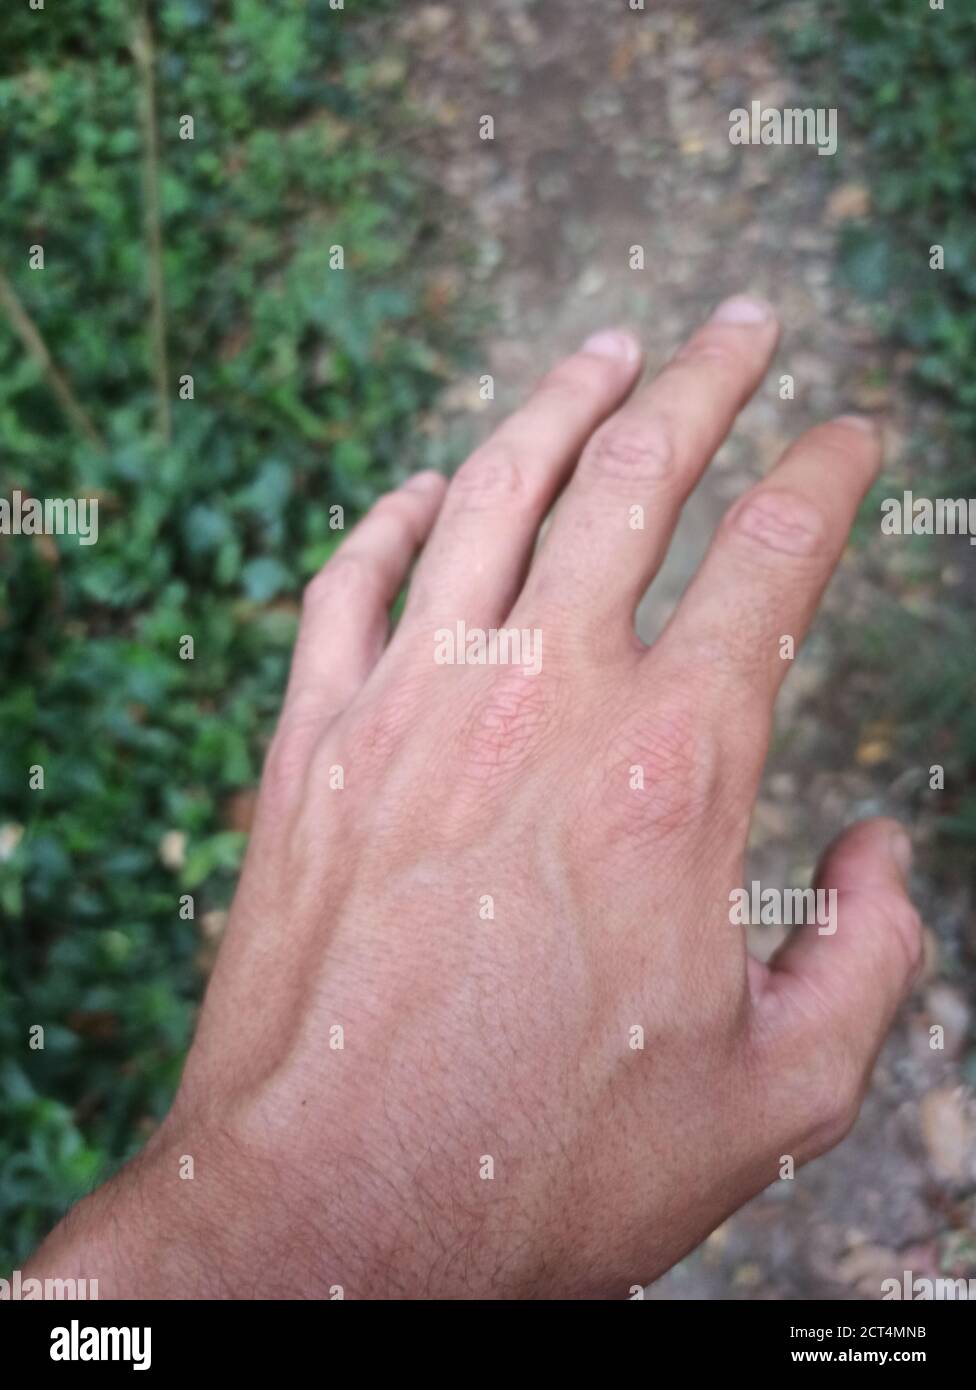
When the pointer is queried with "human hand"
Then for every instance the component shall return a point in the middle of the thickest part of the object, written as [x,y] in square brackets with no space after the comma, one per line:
[480,1025]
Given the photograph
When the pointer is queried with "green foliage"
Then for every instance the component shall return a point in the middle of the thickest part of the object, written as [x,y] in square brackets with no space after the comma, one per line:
[909,76]
[903,77]
[307,381]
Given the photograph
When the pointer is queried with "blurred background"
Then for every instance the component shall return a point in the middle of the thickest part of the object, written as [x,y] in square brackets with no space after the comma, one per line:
[213,257]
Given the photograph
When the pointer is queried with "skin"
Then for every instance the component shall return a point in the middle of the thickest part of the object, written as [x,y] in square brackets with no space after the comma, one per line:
[466,1036]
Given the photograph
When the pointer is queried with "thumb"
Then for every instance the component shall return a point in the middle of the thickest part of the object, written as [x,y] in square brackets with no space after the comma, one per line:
[851,982]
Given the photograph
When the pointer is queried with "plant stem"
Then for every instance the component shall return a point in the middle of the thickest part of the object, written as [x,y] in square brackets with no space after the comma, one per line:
[30,335]
[143,53]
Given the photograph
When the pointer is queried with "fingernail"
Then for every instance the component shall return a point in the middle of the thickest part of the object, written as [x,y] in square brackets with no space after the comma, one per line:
[613,342]
[901,851]
[742,308]
[858,422]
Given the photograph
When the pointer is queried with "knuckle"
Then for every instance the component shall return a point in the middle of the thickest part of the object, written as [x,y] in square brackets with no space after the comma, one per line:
[836,1090]
[343,574]
[376,730]
[317,588]
[398,509]
[350,576]
[849,442]
[577,375]
[507,724]
[710,344]
[815,1092]
[631,450]
[781,521]
[664,772]
[493,475]
[286,763]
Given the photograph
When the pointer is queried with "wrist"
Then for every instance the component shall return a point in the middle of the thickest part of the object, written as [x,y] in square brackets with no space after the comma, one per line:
[141,1235]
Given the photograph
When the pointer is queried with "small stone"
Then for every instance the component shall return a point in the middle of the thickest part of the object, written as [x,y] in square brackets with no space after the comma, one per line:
[747,1276]
[434,19]
[866,1266]
[591,282]
[931,954]
[849,201]
[172,849]
[947,1131]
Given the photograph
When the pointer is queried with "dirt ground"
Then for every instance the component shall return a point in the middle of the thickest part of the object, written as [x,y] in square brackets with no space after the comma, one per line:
[611,129]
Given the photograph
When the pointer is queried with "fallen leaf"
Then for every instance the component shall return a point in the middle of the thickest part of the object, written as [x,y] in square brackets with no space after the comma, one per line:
[946,1131]
[849,201]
